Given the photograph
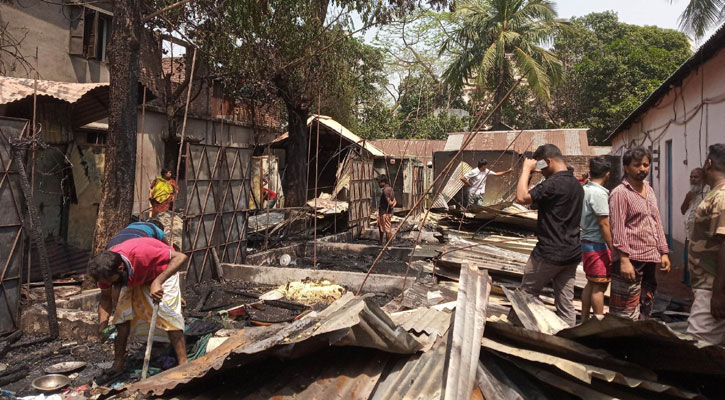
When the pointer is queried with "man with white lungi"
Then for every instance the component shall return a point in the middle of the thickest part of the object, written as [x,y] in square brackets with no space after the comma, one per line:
[144,270]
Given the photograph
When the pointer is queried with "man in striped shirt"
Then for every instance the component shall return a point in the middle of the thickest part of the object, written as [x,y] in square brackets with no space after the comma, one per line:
[638,239]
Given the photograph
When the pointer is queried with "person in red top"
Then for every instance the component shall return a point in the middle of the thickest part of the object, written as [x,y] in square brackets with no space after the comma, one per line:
[638,239]
[143,271]
[267,195]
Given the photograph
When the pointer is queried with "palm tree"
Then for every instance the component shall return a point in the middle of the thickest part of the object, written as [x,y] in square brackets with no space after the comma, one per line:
[701,15]
[496,41]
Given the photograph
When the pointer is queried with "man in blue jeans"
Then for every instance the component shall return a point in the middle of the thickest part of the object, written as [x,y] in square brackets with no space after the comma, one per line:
[558,250]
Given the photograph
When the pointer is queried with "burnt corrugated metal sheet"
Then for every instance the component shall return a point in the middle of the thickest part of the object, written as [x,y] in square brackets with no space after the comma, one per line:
[334,373]
[473,290]
[349,321]
[572,142]
[414,148]
[585,373]
[423,320]
[14,89]
[665,349]
[415,377]
[339,129]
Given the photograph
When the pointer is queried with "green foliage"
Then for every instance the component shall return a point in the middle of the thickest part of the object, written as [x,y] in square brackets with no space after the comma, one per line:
[609,69]
[495,41]
[701,15]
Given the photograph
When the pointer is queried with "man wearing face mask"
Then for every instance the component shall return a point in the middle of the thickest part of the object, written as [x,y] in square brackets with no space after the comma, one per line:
[707,255]
[558,251]
[694,197]
[637,237]
[145,272]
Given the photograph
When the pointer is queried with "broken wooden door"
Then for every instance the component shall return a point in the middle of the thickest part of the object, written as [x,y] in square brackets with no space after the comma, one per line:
[418,189]
[361,191]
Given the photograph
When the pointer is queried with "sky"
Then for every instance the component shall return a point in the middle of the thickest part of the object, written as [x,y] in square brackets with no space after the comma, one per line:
[662,13]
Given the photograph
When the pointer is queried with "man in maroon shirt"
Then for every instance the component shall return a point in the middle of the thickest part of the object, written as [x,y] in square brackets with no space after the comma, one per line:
[143,271]
[638,239]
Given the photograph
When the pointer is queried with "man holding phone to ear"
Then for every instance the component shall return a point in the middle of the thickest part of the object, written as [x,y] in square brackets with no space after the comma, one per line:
[558,251]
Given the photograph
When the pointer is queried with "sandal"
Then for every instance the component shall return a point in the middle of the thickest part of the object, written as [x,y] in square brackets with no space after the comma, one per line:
[108,376]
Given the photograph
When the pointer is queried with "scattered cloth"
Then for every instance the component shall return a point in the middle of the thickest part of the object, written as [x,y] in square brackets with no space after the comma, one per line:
[311,292]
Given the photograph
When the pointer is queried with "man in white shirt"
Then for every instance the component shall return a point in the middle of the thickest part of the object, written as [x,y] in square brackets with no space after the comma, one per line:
[475,181]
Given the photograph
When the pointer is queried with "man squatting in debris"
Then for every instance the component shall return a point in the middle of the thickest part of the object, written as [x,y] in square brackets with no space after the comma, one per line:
[638,240]
[707,255]
[596,238]
[385,208]
[143,271]
[694,197]
[558,251]
[475,181]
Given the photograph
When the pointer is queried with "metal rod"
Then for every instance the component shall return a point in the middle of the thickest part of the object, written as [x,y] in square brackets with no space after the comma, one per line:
[307,177]
[266,227]
[181,144]
[342,171]
[140,164]
[32,167]
[443,173]
[317,158]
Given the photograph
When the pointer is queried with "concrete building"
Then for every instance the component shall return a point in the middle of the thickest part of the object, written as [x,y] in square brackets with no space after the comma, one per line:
[678,122]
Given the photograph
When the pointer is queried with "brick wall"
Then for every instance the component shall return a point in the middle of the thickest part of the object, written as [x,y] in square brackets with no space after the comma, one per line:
[580,164]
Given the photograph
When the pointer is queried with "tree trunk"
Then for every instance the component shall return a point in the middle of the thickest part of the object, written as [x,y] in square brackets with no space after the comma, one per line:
[295,181]
[116,205]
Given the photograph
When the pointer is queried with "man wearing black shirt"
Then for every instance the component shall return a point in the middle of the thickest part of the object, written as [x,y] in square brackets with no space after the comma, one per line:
[385,209]
[558,250]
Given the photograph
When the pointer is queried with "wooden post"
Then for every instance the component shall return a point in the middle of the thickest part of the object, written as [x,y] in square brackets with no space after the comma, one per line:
[37,236]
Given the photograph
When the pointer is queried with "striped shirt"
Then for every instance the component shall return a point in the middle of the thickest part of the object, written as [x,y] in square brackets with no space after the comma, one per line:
[636,224]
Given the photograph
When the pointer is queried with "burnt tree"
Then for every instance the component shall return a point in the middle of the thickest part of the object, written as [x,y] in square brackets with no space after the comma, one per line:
[120,166]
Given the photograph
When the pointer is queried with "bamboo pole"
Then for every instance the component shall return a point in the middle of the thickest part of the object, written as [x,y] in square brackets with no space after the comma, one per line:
[181,143]
[140,164]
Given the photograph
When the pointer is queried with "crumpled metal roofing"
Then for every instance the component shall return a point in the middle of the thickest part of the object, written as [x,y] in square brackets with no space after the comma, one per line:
[665,349]
[339,129]
[410,148]
[419,376]
[423,320]
[14,89]
[572,142]
[473,289]
[426,324]
[349,321]
[584,372]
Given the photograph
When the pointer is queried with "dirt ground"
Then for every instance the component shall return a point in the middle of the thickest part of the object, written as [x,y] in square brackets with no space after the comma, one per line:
[35,358]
